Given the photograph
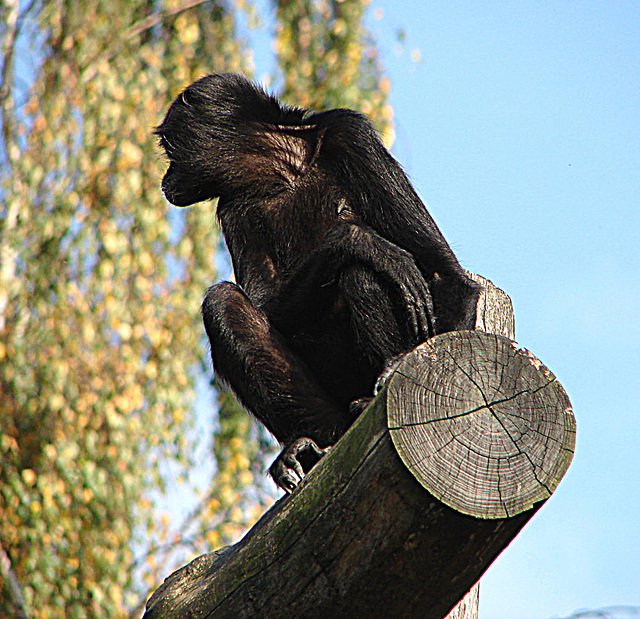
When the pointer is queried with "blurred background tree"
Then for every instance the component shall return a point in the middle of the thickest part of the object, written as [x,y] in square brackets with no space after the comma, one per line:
[104,371]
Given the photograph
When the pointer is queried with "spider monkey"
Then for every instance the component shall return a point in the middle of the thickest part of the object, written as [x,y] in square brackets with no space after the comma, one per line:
[339,266]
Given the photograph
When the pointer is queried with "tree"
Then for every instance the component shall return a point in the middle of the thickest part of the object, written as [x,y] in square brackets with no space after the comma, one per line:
[101,345]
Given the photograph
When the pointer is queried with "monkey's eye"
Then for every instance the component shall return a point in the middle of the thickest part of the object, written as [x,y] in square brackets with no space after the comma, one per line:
[343,210]
[190,96]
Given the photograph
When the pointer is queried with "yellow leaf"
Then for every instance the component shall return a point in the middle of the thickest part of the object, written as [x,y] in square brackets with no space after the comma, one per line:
[56,402]
[29,476]
[146,262]
[110,241]
[151,370]
[106,269]
[125,331]
[213,538]
[245,477]
[130,155]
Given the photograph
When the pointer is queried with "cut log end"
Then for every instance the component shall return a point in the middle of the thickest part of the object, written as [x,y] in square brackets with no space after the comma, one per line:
[483,425]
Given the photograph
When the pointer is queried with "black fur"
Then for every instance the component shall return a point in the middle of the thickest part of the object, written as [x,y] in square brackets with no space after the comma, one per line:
[339,266]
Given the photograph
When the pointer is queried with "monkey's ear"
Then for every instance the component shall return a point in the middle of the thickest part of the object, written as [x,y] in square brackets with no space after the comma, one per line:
[285,152]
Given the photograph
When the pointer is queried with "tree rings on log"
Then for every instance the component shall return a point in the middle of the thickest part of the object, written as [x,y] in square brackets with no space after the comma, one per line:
[482,424]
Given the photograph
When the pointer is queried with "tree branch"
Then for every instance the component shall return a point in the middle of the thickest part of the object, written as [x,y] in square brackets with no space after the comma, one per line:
[467,440]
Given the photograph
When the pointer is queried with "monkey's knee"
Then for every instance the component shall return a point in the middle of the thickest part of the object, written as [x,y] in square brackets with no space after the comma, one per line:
[226,309]
[234,325]
[221,295]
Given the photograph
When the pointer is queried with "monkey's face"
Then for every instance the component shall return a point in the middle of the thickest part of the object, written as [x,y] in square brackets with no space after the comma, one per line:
[193,136]
[226,138]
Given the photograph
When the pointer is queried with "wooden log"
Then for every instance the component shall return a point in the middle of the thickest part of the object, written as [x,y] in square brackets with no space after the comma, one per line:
[469,437]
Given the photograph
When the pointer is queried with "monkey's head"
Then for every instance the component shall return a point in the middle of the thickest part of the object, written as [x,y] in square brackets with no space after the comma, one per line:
[220,135]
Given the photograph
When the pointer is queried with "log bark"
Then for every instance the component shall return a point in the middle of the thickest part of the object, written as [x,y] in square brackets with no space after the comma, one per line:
[466,441]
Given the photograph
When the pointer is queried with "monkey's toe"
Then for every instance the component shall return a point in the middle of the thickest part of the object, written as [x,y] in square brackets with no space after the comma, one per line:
[294,461]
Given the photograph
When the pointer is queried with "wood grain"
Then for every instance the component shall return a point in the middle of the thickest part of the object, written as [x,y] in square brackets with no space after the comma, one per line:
[482,424]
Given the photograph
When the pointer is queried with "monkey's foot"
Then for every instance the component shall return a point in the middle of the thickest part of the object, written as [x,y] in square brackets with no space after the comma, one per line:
[298,457]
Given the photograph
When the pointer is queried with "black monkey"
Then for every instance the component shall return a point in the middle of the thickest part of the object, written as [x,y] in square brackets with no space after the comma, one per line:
[339,266]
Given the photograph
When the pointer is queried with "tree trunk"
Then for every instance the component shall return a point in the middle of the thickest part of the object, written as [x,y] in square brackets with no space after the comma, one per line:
[465,442]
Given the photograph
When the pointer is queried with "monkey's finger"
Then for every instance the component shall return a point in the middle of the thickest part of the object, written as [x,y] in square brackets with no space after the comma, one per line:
[427,323]
[414,318]
[426,315]
[423,321]
[422,312]
[288,483]
[410,302]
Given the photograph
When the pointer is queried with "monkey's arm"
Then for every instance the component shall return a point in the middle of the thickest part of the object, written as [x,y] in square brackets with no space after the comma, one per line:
[403,220]
[350,245]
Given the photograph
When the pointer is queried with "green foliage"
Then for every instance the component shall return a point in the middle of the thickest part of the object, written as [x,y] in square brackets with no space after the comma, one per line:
[100,287]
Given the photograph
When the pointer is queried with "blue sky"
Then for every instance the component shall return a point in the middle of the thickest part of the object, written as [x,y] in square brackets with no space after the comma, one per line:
[520,128]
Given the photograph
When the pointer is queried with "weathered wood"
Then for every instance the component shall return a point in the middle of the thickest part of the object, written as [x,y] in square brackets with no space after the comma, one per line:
[494,312]
[480,423]
[468,606]
[366,536]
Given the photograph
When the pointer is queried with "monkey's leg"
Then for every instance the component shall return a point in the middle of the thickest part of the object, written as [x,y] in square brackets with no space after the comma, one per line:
[251,356]
[378,317]
[378,314]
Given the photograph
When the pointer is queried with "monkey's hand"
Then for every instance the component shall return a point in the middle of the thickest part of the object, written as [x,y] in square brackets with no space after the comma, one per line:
[397,267]
[294,461]
[355,243]
[350,244]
